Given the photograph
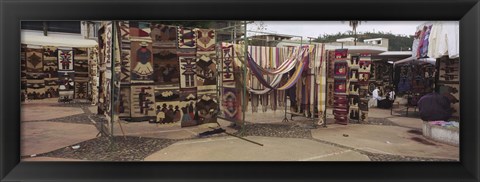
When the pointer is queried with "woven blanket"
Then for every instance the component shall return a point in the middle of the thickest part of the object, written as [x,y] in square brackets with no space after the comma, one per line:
[207,104]
[142,103]
[124,106]
[50,66]
[231,104]
[141,61]
[34,60]
[166,67]
[206,68]
[186,38]
[164,36]
[205,40]
[188,69]
[139,29]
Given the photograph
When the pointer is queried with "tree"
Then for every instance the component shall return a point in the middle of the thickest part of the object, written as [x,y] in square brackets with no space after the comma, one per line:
[396,42]
[354,25]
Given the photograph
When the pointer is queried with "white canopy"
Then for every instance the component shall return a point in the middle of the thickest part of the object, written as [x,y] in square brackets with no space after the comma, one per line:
[409,59]
[31,37]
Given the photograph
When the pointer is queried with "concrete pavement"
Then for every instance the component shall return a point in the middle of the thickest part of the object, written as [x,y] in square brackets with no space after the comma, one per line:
[40,137]
[405,139]
[387,140]
[235,149]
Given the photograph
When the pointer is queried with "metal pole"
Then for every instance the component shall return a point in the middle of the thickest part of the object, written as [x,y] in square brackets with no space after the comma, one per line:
[326,90]
[312,105]
[244,75]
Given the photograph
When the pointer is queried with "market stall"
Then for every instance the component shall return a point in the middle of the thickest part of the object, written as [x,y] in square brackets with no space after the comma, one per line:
[59,65]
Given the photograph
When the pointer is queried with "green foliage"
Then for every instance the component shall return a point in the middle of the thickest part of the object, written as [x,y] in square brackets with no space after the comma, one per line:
[396,42]
[192,24]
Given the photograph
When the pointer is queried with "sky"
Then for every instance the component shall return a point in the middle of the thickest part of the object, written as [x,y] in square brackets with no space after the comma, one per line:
[317,28]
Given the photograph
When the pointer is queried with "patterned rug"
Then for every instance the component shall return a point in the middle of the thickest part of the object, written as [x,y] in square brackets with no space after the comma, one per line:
[205,40]
[65,60]
[166,66]
[164,36]
[186,38]
[142,103]
[206,69]
[141,62]
[231,104]
[188,69]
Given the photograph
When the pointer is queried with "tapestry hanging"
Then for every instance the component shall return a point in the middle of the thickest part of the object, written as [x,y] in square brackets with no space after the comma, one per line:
[340,69]
[206,69]
[231,103]
[364,84]
[124,105]
[124,30]
[164,36]
[207,104]
[50,66]
[141,61]
[172,104]
[23,76]
[139,29]
[65,59]
[227,64]
[81,89]
[166,67]
[35,83]
[188,74]
[330,92]
[188,98]
[35,89]
[449,82]
[205,40]
[143,103]
[66,78]
[125,50]
[186,38]
[34,60]
[341,75]
[51,87]
[449,70]
[81,68]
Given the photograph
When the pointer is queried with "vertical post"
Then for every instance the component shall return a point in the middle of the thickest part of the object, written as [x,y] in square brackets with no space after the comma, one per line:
[244,74]
[312,105]
[45,28]
[326,90]
[112,70]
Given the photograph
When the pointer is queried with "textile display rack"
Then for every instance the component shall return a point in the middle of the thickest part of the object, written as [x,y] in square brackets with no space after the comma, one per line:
[264,61]
[230,76]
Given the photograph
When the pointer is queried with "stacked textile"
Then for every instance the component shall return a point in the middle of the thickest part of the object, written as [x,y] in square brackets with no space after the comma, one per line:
[50,68]
[45,68]
[80,59]
[23,76]
[449,82]
[340,102]
[35,73]
[330,73]
[365,64]
[353,88]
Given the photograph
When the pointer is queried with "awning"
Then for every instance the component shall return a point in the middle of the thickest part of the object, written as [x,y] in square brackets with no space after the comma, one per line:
[410,59]
[30,37]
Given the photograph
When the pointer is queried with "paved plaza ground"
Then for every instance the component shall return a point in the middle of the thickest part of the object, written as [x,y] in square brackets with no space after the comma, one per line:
[49,130]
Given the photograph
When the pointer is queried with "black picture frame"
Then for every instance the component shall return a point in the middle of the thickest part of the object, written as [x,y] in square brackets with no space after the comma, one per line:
[14,11]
